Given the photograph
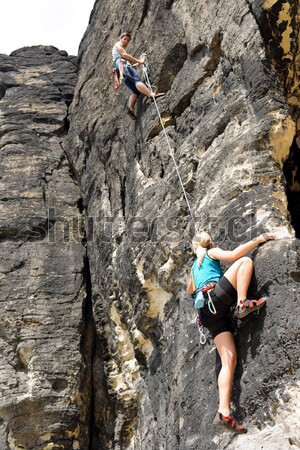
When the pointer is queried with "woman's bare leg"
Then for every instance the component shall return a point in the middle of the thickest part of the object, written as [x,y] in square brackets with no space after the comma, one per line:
[239,275]
[226,348]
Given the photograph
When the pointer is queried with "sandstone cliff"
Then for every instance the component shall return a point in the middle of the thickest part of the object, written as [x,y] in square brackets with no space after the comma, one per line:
[100,349]
[44,320]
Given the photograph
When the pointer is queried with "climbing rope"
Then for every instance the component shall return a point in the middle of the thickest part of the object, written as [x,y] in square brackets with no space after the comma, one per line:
[147,82]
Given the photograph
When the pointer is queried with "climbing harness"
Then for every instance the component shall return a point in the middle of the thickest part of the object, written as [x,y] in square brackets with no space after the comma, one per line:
[148,84]
[207,288]
[201,298]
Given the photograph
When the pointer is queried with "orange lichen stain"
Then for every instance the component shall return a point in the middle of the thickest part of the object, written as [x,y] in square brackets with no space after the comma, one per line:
[145,345]
[216,90]
[285,17]
[51,446]
[157,298]
[281,138]
[280,202]
[269,3]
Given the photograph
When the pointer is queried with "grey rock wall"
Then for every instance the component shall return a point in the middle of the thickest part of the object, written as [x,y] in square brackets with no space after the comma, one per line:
[44,327]
[231,114]
[99,344]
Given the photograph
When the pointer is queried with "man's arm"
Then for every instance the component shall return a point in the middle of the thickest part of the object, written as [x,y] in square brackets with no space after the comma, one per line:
[128,57]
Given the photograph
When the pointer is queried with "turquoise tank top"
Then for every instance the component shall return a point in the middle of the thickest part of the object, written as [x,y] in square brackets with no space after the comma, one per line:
[210,270]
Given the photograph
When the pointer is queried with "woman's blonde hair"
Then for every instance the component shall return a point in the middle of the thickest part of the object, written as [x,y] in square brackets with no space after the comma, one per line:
[200,245]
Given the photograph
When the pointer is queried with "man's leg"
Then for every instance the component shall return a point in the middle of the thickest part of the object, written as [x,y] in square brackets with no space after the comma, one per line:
[143,88]
[132,101]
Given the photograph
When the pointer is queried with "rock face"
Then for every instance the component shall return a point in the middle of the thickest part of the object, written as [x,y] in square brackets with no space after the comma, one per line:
[231,114]
[106,353]
[44,356]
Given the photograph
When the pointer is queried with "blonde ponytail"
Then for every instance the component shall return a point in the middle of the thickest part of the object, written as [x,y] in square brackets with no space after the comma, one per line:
[200,245]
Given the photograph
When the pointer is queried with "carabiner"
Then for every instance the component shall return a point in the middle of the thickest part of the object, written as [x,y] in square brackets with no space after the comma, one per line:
[202,335]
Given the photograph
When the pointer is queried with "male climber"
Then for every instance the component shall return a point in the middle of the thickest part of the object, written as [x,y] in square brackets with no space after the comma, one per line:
[131,77]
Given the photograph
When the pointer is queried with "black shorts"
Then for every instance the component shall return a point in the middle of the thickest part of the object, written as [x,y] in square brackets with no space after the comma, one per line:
[223,296]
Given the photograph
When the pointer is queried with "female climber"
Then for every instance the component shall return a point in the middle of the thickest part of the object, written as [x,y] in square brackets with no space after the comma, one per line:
[221,291]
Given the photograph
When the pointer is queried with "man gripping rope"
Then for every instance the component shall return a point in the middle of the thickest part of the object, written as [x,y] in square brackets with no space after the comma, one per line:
[122,65]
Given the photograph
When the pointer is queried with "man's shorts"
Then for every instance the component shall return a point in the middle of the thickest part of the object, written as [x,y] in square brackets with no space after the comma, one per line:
[223,296]
[131,78]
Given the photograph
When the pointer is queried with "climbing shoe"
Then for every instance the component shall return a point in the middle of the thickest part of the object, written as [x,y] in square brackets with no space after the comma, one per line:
[248,306]
[131,114]
[228,423]
[157,95]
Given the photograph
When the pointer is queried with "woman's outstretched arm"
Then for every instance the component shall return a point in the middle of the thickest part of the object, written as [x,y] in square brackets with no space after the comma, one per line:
[241,250]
